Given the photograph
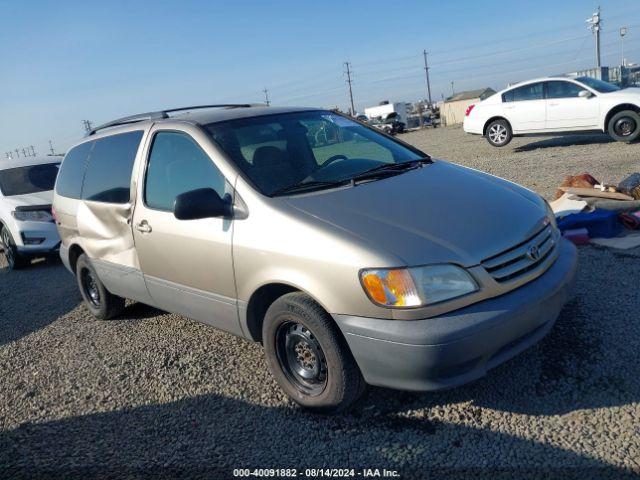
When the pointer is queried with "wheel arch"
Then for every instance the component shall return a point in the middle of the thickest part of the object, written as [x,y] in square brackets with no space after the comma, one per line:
[618,108]
[260,301]
[493,119]
[75,251]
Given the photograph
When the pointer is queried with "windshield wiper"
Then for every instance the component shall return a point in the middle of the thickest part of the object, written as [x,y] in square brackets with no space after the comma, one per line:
[308,186]
[389,169]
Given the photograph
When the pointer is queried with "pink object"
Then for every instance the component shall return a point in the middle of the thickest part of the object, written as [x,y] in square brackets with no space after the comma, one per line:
[636,214]
[579,236]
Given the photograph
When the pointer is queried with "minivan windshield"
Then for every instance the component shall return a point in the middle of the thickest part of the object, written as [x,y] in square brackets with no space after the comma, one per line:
[598,85]
[28,179]
[315,149]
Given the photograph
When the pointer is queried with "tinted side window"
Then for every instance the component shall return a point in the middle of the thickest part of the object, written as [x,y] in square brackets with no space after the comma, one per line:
[108,177]
[535,91]
[507,96]
[562,90]
[177,165]
[69,182]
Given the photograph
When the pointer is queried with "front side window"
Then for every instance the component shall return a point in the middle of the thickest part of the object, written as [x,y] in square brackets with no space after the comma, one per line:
[108,176]
[282,150]
[534,91]
[178,165]
[28,179]
[559,89]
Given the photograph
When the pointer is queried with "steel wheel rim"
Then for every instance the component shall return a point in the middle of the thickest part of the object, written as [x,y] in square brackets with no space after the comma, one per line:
[625,126]
[8,251]
[498,133]
[90,287]
[301,358]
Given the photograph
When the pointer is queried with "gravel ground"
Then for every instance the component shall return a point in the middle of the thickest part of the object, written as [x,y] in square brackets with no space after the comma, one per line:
[155,395]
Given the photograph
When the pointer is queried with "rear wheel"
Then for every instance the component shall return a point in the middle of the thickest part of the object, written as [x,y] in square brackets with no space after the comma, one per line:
[624,126]
[308,356]
[499,133]
[100,302]
[12,259]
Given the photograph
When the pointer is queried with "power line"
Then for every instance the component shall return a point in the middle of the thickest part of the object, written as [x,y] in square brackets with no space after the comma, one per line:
[349,81]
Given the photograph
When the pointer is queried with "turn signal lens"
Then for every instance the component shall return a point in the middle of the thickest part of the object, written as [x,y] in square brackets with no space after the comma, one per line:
[391,288]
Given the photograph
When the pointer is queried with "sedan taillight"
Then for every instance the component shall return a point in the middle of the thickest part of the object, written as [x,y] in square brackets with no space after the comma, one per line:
[469,108]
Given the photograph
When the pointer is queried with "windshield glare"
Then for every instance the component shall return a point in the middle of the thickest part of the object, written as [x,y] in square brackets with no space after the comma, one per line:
[29,179]
[278,151]
[598,85]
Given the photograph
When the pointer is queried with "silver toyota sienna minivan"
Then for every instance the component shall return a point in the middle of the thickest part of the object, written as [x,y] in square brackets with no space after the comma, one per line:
[352,257]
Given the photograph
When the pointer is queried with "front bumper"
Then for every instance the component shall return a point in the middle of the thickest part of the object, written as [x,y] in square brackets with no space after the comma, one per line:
[44,232]
[461,346]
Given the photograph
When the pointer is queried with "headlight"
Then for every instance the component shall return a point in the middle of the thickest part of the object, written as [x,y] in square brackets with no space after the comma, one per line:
[32,216]
[416,286]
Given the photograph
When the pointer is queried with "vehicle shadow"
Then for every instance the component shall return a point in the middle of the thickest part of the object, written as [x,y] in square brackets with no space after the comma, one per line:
[566,141]
[34,297]
[209,436]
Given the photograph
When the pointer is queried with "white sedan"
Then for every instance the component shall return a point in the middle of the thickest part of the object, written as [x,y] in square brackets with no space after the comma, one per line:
[556,104]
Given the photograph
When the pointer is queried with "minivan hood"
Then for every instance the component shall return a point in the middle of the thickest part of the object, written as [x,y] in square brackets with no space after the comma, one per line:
[30,199]
[436,214]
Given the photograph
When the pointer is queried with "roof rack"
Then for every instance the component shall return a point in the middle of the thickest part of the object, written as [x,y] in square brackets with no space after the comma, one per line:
[159,115]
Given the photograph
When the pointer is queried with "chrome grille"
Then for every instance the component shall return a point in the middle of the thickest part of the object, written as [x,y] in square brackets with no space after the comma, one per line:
[524,257]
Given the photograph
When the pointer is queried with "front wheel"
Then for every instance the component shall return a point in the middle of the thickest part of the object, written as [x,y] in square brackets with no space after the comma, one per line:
[308,356]
[100,302]
[499,133]
[624,126]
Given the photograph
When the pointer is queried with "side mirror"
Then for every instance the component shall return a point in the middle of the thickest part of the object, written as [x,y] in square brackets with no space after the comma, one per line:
[585,94]
[201,203]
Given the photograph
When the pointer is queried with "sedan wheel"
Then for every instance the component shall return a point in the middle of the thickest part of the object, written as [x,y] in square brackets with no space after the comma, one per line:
[498,133]
[7,251]
[625,126]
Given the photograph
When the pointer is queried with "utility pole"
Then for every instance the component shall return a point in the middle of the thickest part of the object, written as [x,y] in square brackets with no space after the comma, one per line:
[452,91]
[266,96]
[623,32]
[348,72]
[87,126]
[595,25]
[426,70]
[53,152]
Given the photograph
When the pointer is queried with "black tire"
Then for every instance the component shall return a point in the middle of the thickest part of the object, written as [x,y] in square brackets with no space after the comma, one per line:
[624,126]
[100,302]
[296,325]
[12,259]
[499,133]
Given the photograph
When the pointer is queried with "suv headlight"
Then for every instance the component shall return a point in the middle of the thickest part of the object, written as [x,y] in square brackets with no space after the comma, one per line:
[32,216]
[416,286]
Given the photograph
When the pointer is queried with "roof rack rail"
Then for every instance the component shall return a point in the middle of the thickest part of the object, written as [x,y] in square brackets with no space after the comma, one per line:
[165,114]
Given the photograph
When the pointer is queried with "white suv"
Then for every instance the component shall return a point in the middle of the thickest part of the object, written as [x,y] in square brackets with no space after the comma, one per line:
[27,228]
[556,104]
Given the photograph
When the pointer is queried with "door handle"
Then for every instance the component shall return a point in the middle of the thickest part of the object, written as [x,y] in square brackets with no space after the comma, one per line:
[143,227]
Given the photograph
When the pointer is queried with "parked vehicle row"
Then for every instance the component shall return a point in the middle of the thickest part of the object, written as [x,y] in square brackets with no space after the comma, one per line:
[352,257]
[555,105]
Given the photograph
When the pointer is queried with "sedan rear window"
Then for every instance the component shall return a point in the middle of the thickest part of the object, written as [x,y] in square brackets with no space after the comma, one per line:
[29,179]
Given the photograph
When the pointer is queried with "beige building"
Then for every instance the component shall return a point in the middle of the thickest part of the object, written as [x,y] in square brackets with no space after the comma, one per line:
[453,109]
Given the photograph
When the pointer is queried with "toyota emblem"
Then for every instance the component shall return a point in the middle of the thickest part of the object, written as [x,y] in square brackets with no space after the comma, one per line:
[533,253]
